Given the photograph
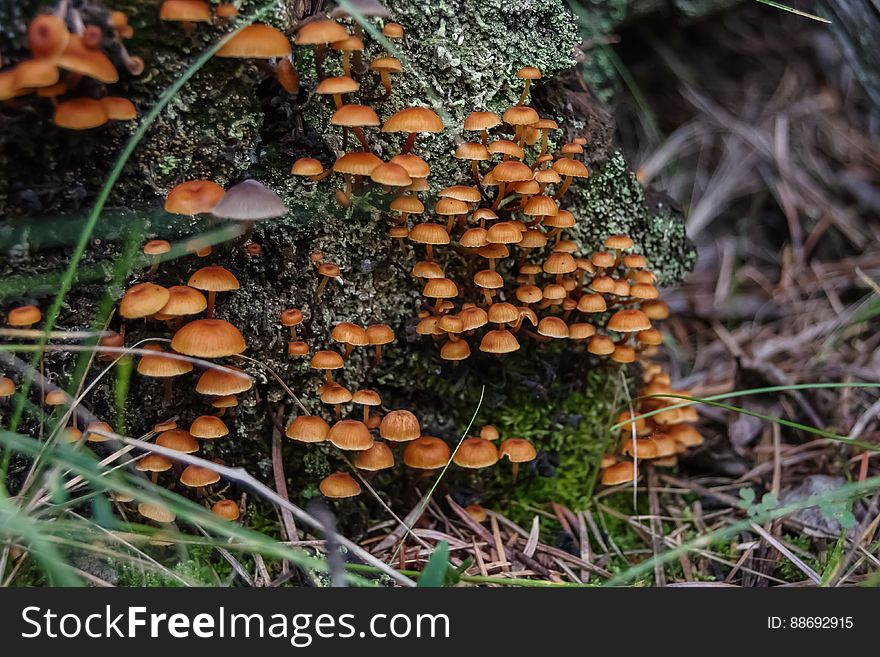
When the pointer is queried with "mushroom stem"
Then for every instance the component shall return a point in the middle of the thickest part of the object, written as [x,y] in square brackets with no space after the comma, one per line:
[514,469]
[565,185]
[337,100]
[154,265]
[328,376]
[484,134]
[167,390]
[209,309]
[134,65]
[220,413]
[525,92]
[409,143]
[346,62]
[450,222]
[321,176]
[321,287]
[337,410]
[366,414]
[348,349]
[319,61]
[386,84]
[359,133]
[544,140]
[476,172]
[293,333]
[487,295]
[519,135]
[499,196]
[430,252]
[154,477]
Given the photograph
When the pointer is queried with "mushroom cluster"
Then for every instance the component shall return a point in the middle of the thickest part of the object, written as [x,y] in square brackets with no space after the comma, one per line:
[66,50]
[359,427]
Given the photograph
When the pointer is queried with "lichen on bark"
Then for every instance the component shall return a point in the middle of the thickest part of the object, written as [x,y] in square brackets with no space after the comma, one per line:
[232,120]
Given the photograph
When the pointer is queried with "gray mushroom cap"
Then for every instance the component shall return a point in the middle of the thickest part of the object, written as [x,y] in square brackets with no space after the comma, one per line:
[249,201]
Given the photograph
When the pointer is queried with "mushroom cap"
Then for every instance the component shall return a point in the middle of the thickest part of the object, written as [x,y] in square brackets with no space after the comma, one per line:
[643,291]
[297,348]
[55,398]
[392,31]
[503,313]
[499,341]
[619,473]
[600,345]
[407,203]
[447,206]
[415,166]
[581,331]
[635,261]
[427,269]
[77,58]
[529,294]
[47,36]
[504,232]
[489,432]
[335,394]
[154,463]
[463,193]
[350,435]
[541,206]
[533,238]
[413,119]
[70,434]
[307,166]
[208,427]
[308,429]
[249,200]
[592,303]
[379,334]
[518,450]
[7,386]
[473,318]
[527,187]
[156,512]
[559,263]
[476,512]
[119,109]
[547,176]
[481,121]
[193,197]
[629,320]
[650,337]
[664,444]
[619,242]
[386,64]
[223,381]
[511,171]
[643,448]
[565,166]
[167,425]
[24,316]
[355,116]
[338,85]
[507,147]
[329,269]
[142,300]
[327,360]
[96,437]
[450,324]
[226,509]
[320,32]
[426,453]
[184,300]
[178,440]
[291,317]
[685,435]
[359,163]
[429,233]
[603,259]
[474,238]
[208,338]
[623,353]
[157,247]
[561,219]
[472,151]
[185,11]
[488,279]
[390,174]
[256,41]
[455,351]
[348,333]
[160,366]
[554,292]
[529,73]
[520,115]
[80,114]
[196,476]
[553,327]
[35,73]
[475,453]
[367,397]
[655,309]
[603,284]
[339,485]
[226,10]
[351,44]
[440,288]
[377,457]
[399,426]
